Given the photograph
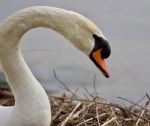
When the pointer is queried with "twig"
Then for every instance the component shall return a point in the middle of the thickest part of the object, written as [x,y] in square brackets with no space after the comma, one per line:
[85,95]
[109,104]
[77,106]
[57,114]
[141,100]
[114,115]
[97,116]
[139,119]
[135,104]
[142,113]
[87,91]
[85,121]
[148,96]
[63,84]
[94,84]
[109,121]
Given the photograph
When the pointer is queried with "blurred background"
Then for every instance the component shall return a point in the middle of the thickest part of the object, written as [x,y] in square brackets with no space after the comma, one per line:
[126,24]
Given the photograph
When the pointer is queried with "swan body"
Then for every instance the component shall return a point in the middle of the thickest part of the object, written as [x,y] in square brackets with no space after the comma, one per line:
[32,106]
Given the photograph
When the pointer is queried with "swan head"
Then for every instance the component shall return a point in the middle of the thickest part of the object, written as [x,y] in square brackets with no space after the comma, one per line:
[88,38]
[100,52]
[79,30]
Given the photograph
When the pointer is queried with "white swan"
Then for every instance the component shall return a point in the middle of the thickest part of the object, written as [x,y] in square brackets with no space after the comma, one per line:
[32,107]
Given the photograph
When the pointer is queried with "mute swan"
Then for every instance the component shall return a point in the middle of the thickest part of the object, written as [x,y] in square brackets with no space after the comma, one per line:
[32,107]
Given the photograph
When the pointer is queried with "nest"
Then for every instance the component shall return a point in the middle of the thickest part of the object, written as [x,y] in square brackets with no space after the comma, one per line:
[75,111]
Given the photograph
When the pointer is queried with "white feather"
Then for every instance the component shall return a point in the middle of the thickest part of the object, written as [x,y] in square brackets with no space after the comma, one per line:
[32,107]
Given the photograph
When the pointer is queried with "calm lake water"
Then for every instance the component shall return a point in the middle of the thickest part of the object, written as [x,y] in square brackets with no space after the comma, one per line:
[126,24]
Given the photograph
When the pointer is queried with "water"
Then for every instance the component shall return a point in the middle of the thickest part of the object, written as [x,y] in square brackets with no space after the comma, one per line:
[127,26]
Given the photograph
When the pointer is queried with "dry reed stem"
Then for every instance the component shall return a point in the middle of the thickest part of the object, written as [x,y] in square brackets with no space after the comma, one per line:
[98,121]
[114,115]
[108,104]
[95,112]
[134,104]
[90,119]
[63,84]
[77,106]
[109,121]
[139,119]
[142,113]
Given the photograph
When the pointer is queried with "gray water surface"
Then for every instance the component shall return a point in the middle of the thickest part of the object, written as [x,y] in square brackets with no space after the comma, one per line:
[126,24]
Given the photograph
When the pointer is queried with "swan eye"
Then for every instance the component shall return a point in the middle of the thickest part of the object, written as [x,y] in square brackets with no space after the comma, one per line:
[101,43]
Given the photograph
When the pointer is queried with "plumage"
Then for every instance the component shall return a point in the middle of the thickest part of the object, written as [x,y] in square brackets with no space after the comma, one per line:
[32,107]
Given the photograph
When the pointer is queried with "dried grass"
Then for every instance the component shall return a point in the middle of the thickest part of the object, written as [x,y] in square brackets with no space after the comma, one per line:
[75,111]
[72,110]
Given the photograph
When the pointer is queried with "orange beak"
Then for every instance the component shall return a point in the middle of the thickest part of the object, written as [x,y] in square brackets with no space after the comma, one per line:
[100,62]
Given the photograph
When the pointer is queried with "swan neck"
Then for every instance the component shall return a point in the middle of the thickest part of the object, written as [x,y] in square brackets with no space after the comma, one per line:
[23,84]
[19,76]
[48,17]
